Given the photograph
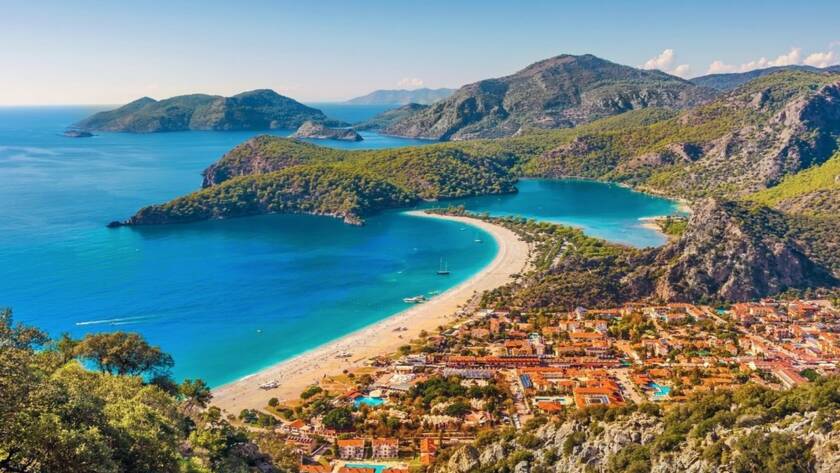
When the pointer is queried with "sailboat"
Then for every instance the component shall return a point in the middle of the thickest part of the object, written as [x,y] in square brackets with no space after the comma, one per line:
[477,238]
[443,268]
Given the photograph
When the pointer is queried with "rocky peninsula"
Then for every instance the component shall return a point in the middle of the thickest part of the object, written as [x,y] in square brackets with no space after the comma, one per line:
[320,131]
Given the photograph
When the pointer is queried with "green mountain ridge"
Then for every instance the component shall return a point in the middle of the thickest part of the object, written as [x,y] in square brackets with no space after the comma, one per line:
[559,92]
[254,110]
[424,96]
[729,81]
[744,141]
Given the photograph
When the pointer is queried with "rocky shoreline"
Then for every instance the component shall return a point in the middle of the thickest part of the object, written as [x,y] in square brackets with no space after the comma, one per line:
[320,131]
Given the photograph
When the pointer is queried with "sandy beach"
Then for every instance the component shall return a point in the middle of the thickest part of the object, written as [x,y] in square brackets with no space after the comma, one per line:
[377,339]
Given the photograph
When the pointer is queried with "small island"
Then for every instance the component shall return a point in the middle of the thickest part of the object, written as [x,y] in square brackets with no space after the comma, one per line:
[319,131]
[77,134]
[261,109]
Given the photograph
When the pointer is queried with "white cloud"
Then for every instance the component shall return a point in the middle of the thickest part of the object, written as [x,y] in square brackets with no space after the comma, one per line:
[821,59]
[682,70]
[719,67]
[665,63]
[792,57]
[410,83]
[661,62]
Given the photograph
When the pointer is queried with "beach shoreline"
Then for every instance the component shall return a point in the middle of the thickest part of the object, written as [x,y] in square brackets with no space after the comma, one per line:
[379,339]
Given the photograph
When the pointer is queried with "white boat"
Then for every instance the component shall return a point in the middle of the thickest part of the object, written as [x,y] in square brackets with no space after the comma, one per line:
[344,354]
[443,268]
[415,299]
[269,385]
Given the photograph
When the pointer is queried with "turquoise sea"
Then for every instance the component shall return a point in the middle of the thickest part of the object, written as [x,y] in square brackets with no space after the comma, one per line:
[227,298]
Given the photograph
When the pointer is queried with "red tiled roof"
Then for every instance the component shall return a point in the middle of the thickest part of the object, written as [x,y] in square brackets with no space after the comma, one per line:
[351,442]
[314,469]
[385,441]
[428,446]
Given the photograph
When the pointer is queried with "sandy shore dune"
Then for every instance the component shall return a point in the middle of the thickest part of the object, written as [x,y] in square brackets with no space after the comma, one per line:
[296,373]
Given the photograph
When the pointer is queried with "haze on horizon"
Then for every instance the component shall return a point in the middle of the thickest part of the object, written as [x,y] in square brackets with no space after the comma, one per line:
[88,52]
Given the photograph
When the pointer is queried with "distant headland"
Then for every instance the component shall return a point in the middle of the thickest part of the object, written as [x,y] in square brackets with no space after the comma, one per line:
[254,110]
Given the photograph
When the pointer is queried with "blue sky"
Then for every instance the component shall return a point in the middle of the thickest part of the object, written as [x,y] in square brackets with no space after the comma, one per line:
[86,52]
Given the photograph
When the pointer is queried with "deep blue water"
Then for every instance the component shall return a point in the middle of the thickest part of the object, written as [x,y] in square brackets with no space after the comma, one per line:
[224,297]
[350,113]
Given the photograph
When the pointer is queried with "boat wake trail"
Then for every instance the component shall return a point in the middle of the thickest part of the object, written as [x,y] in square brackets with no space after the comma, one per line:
[115,321]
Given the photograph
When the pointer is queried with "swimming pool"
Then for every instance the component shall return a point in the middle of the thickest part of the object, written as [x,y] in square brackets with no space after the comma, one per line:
[660,391]
[368,401]
[367,466]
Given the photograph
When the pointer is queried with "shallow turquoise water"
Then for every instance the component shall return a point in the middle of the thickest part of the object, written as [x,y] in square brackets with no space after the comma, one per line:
[604,210]
[224,297]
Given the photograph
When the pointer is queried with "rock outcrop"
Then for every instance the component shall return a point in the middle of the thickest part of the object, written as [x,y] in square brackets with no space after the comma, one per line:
[577,447]
[319,131]
[729,252]
[77,134]
[263,154]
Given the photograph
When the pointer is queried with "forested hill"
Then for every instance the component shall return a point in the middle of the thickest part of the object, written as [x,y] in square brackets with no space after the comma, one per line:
[253,110]
[270,175]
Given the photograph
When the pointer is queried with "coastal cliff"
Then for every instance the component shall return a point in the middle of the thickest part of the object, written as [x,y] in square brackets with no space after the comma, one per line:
[730,252]
[253,110]
[319,131]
